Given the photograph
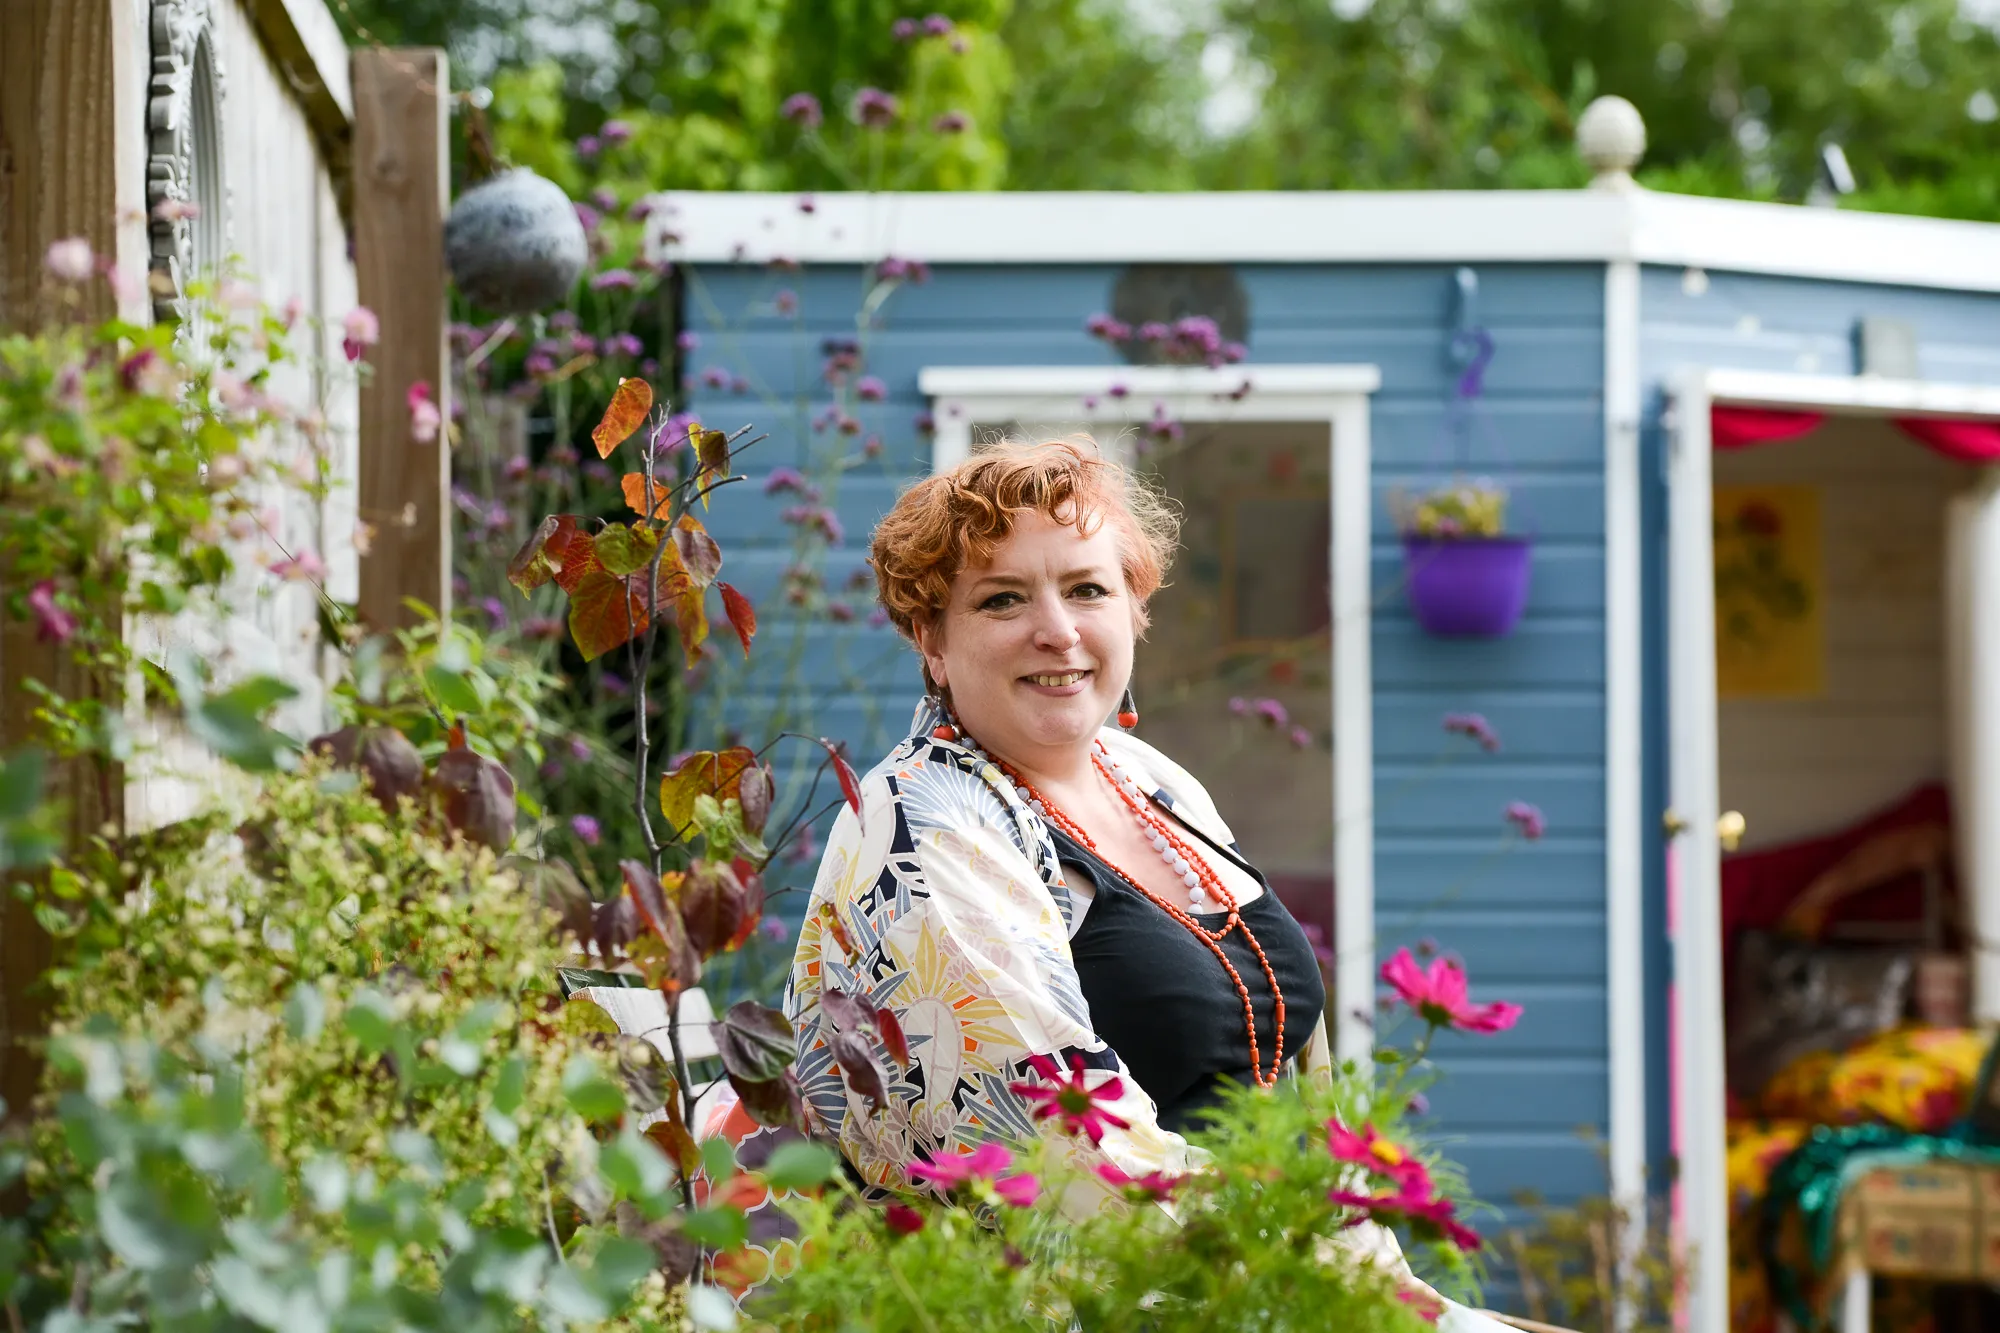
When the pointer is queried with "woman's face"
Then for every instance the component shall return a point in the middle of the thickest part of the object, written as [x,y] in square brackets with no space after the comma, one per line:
[1036,646]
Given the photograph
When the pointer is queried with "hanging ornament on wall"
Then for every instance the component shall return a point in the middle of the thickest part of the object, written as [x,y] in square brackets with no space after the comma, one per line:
[513,241]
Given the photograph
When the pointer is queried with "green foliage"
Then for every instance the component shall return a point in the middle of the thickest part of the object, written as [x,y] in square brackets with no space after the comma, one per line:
[1249,1245]
[1577,1269]
[313,1069]
[130,464]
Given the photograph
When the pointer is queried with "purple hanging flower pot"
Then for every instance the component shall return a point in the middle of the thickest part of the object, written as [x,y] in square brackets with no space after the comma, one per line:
[1467,587]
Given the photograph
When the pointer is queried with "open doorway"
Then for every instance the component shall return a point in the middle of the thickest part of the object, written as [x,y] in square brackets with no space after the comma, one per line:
[1826,583]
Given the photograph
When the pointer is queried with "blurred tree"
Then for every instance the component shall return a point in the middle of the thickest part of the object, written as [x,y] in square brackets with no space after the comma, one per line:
[1739,96]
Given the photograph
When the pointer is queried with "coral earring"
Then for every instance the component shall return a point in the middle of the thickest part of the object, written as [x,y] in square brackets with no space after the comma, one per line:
[1128,711]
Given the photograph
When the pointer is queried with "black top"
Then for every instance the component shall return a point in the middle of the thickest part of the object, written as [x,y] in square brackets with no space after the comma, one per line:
[1158,996]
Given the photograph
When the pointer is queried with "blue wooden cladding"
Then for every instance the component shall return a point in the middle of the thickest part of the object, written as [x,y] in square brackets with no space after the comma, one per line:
[1527,918]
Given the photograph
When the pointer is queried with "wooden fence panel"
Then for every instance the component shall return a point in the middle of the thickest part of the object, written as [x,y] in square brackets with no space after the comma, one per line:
[401,191]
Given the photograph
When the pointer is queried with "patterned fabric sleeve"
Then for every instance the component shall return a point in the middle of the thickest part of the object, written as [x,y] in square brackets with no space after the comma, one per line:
[936,903]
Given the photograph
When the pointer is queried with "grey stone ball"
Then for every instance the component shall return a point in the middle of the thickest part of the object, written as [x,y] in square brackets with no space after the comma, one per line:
[515,244]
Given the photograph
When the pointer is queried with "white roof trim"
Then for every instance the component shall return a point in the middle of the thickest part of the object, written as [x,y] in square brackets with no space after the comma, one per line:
[1861,395]
[1332,227]
[1144,383]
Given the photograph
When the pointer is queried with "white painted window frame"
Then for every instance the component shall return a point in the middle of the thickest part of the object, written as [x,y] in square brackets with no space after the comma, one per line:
[1338,395]
[1695,781]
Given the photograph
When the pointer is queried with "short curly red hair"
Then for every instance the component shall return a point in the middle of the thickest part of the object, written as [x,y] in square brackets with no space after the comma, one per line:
[957,519]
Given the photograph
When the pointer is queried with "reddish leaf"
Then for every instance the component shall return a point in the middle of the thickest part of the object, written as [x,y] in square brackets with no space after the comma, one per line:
[667,962]
[890,1029]
[756,1042]
[614,925]
[850,786]
[774,1103]
[478,797]
[623,549]
[753,792]
[711,450]
[718,909]
[671,1135]
[384,756]
[838,930]
[700,556]
[703,773]
[605,612]
[857,1062]
[850,1011]
[691,619]
[742,615]
[625,414]
[559,550]
[454,737]
[648,895]
[634,486]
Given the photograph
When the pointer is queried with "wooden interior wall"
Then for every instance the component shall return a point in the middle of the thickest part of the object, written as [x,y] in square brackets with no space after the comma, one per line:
[1797,768]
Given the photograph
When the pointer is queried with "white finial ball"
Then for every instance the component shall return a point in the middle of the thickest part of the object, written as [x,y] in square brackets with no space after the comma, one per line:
[1611,136]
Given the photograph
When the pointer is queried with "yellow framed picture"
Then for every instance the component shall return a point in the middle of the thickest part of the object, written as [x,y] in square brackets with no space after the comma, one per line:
[1770,582]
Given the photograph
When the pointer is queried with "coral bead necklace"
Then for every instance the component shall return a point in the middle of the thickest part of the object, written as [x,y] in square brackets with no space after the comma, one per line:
[1203,884]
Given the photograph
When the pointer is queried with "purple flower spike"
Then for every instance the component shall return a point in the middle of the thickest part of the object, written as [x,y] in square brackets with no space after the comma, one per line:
[1527,820]
[803,110]
[1475,726]
[874,109]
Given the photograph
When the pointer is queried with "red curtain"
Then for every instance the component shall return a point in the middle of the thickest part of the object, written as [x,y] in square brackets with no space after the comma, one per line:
[1966,440]
[1743,427]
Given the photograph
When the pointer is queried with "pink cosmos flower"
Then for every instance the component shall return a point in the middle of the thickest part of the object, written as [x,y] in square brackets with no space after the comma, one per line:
[1437,994]
[1020,1191]
[1072,1099]
[985,1162]
[1156,1186]
[52,623]
[1425,1213]
[803,110]
[360,329]
[70,259]
[1370,1150]
[1422,1304]
[903,1219]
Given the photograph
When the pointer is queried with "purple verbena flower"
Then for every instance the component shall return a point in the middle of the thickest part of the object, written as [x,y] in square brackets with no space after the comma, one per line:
[1527,820]
[1108,328]
[615,131]
[586,829]
[785,479]
[1301,738]
[687,340]
[903,29]
[1272,712]
[785,301]
[874,109]
[952,122]
[588,216]
[715,377]
[587,146]
[937,25]
[869,389]
[803,110]
[1475,726]
[614,279]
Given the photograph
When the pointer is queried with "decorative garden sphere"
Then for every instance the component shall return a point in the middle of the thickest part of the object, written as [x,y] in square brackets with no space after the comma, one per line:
[515,244]
[1611,137]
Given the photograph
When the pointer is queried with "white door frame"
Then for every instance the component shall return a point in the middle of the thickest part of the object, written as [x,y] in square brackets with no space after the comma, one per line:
[1694,781]
[1335,394]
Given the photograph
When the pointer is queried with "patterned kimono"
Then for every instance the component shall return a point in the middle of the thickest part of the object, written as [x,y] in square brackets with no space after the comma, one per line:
[944,902]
